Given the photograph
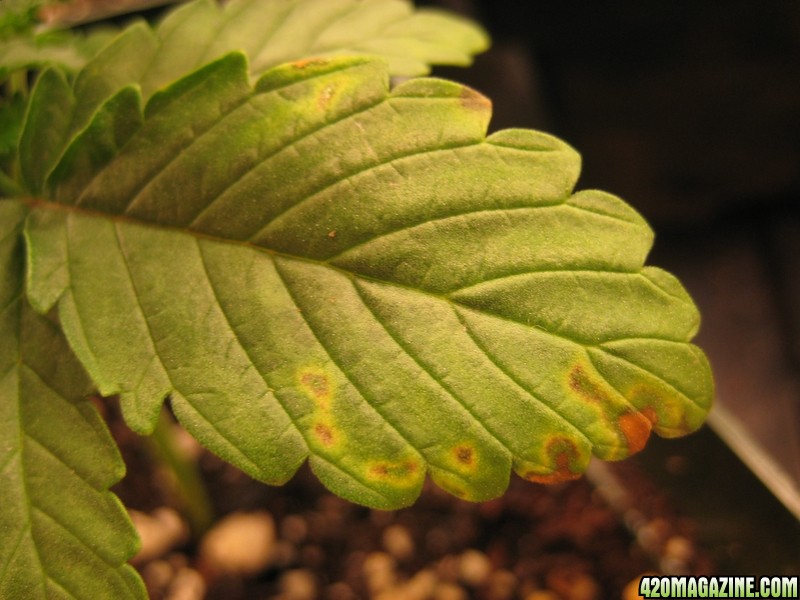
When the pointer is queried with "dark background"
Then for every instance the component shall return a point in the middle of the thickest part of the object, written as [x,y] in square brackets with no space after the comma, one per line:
[690,111]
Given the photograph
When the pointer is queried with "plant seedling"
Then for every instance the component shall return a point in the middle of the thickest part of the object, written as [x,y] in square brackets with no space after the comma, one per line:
[237,209]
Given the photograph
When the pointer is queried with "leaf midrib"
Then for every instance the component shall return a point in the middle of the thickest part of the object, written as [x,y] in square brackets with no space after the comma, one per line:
[34,203]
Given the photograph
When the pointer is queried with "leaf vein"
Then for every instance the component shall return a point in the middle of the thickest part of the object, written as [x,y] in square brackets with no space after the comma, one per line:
[344,373]
[17,545]
[426,370]
[289,145]
[235,333]
[356,478]
[438,218]
[72,534]
[581,270]
[654,375]
[513,379]
[343,178]
[152,177]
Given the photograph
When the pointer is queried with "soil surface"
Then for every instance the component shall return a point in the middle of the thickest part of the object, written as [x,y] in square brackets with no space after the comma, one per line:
[300,542]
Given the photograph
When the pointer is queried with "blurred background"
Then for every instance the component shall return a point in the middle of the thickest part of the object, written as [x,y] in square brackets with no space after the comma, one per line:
[690,111]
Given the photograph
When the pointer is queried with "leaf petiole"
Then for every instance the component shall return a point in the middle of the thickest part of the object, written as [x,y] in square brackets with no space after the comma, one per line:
[189,487]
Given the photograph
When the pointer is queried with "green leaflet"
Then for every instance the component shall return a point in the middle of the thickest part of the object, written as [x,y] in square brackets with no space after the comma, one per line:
[271,33]
[65,535]
[66,49]
[322,267]
[268,31]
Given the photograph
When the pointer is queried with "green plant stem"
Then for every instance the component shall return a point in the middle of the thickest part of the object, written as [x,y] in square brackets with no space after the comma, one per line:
[18,83]
[189,485]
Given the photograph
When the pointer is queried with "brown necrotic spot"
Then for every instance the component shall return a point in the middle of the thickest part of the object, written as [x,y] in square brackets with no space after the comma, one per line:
[317,385]
[381,470]
[636,429]
[472,100]
[324,434]
[561,451]
[464,455]
[400,471]
[582,384]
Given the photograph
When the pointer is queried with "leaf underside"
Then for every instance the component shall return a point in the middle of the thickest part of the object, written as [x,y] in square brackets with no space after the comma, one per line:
[320,267]
[270,32]
[64,534]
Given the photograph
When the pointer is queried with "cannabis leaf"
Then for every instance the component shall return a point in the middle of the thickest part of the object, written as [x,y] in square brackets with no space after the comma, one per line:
[67,49]
[318,266]
[269,32]
[72,543]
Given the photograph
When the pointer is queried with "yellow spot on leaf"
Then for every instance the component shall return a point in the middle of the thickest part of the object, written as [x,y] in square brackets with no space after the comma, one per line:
[324,434]
[402,473]
[465,457]
[585,388]
[561,452]
[317,385]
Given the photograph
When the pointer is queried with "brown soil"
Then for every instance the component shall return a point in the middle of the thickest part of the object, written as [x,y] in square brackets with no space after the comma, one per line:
[537,542]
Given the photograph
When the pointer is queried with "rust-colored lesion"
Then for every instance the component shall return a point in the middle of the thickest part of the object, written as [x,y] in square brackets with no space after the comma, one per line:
[668,412]
[380,470]
[324,434]
[475,101]
[635,428]
[582,384]
[307,62]
[317,385]
[395,472]
[464,455]
[562,452]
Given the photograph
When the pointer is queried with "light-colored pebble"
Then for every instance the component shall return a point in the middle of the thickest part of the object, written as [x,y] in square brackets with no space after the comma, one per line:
[397,541]
[679,548]
[157,574]
[421,585]
[241,543]
[160,532]
[379,572]
[474,568]
[449,591]
[298,584]
[652,535]
[187,585]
